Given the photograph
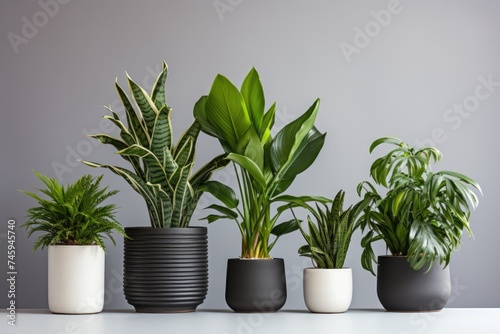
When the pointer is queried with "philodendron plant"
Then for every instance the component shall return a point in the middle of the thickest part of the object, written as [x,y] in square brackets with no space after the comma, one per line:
[422,214]
[162,172]
[330,233]
[265,165]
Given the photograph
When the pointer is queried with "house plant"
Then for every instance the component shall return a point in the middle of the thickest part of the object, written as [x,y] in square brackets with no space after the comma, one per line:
[421,218]
[74,226]
[328,285]
[265,167]
[166,265]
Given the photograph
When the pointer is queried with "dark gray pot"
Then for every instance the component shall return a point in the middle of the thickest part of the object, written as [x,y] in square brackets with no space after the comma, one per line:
[255,285]
[400,288]
[165,269]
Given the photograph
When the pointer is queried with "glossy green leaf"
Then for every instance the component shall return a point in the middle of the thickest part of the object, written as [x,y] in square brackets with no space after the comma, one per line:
[222,192]
[302,159]
[285,228]
[288,139]
[226,111]
[250,166]
[253,94]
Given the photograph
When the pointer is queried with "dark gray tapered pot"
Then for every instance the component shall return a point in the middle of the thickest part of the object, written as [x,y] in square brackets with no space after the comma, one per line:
[255,285]
[165,269]
[401,288]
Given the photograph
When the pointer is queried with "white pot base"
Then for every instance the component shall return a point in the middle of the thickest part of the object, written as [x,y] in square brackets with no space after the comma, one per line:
[328,290]
[76,279]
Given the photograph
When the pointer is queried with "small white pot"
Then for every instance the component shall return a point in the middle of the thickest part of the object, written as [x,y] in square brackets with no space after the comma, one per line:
[76,279]
[328,290]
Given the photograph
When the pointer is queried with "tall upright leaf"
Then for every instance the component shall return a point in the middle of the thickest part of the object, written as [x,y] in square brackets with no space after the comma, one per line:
[253,94]
[226,111]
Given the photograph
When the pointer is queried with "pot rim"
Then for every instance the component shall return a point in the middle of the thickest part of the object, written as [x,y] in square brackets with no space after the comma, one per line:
[148,231]
[255,259]
[73,246]
[339,269]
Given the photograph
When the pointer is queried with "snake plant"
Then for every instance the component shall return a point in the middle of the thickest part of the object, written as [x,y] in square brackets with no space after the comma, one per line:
[265,165]
[72,214]
[162,172]
[422,214]
[330,235]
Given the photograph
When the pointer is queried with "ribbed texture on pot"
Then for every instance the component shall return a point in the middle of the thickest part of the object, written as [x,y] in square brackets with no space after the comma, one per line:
[165,270]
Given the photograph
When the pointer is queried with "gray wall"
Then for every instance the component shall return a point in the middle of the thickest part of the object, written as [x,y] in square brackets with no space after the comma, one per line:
[409,79]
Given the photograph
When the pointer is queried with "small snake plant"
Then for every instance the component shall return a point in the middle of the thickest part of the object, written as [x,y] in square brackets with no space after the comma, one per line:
[329,237]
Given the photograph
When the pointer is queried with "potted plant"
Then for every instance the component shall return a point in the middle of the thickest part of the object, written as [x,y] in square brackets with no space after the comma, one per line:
[328,285]
[74,226]
[265,167]
[421,218]
[165,265]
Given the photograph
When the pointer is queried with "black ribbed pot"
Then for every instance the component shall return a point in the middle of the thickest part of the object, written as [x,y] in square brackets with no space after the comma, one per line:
[401,288]
[255,285]
[165,269]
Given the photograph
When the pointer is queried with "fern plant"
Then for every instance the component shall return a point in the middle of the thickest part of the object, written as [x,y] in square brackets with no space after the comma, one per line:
[330,235]
[422,214]
[162,172]
[72,215]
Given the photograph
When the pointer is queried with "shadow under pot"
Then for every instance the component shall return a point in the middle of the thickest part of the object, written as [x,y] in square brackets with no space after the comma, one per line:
[255,285]
[401,288]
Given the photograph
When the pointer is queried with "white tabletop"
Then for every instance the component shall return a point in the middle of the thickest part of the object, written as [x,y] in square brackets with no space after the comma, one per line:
[448,321]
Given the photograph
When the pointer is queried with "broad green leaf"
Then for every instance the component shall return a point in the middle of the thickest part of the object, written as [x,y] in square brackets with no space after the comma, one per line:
[267,124]
[288,139]
[305,249]
[302,159]
[250,166]
[226,112]
[222,192]
[214,218]
[252,148]
[201,116]
[285,228]
[224,210]
[253,94]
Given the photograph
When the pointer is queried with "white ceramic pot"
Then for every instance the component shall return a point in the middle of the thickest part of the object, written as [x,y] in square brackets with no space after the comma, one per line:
[76,279]
[328,290]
